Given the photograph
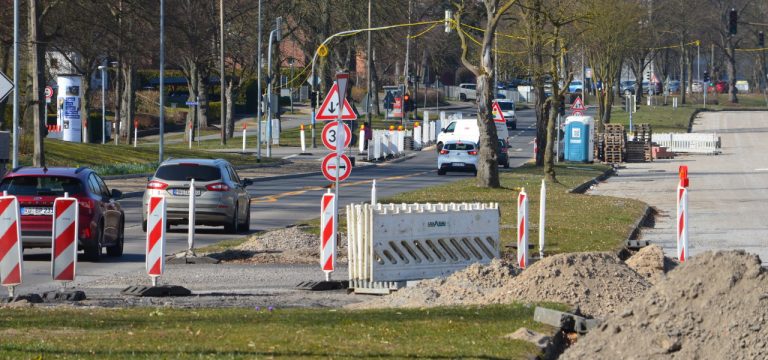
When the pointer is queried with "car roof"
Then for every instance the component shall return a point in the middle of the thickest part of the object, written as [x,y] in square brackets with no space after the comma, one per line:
[209,162]
[52,171]
[460,142]
[504,100]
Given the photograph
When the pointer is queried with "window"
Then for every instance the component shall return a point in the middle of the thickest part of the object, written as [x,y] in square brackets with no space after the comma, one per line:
[41,185]
[93,186]
[450,127]
[183,172]
[102,186]
[506,105]
[233,175]
[460,146]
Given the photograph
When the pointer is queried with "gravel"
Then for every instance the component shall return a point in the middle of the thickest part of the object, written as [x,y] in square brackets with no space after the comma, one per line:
[713,306]
[291,245]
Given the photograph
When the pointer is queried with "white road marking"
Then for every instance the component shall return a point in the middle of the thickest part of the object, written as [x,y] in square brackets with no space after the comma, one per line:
[290,156]
[762,169]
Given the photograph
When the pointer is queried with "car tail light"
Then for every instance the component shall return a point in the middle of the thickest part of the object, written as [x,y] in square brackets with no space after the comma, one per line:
[472,152]
[86,205]
[156,185]
[443,152]
[86,233]
[217,187]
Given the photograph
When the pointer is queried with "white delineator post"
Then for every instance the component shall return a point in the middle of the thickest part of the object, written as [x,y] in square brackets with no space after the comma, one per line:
[11,262]
[303,139]
[361,140]
[373,192]
[245,129]
[682,221]
[191,226]
[155,250]
[328,234]
[417,144]
[522,229]
[542,217]
[64,239]
[135,133]
[190,135]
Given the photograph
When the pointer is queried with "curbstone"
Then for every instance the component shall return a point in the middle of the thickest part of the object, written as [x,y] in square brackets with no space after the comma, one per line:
[580,189]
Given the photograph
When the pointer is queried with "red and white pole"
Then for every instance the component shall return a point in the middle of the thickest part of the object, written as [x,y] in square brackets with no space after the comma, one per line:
[682,215]
[155,250]
[328,234]
[303,139]
[522,229]
[64,239]
[245,128]
[11,263]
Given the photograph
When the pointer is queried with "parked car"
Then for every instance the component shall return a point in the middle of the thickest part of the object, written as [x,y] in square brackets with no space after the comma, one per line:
[503,155]
[466,130]
[654,86]
[457,156]
[673,86]
[742,86]
[467,92]
[721,87]
[220,194]
[508,111]
[576,86]
[101,220]
[697,87]
[627,87]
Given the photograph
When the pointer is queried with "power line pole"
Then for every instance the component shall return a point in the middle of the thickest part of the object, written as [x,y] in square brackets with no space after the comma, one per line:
[16,83]
[368,70]
[162,78]
[222,98]
[407,53]
[260,97]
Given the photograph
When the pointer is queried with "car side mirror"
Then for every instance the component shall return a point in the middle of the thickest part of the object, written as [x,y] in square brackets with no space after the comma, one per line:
[247,182]
[442,130]
[116,194]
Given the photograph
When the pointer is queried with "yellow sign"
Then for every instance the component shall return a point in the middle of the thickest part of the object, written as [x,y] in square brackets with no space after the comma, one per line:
[322,50]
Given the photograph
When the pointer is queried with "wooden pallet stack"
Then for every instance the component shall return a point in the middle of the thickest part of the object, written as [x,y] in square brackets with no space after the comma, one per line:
[614,140]
[643,134]
[638,151]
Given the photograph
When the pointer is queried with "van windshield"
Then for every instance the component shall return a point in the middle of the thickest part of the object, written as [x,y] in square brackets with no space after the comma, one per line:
[506,105]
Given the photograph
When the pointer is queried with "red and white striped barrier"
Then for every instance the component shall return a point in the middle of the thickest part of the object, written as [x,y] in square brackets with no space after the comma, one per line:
[328,234]
[155,260]
[682,215]
[54,128]
[522,229]
[64,239]
[11,263]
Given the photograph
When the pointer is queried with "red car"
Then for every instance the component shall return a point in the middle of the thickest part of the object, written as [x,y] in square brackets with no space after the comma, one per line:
[101,220]
[721,87]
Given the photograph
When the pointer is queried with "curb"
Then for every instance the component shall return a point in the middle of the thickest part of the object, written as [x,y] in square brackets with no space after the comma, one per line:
[238,167]
[580,189]
[632,237]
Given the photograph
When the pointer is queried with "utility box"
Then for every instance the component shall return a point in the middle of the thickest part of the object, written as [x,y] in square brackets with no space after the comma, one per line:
[579,138]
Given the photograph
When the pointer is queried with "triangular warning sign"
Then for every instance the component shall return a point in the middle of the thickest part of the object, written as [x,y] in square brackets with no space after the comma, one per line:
[330,108]
[578,105]
[498,116]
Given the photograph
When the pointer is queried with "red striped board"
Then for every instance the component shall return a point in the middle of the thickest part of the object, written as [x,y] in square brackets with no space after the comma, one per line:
[522,229]
[328,232]
[64,239]
[11,263]
[156,220]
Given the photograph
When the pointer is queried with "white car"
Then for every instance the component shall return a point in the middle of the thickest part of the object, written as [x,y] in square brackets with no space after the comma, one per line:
[466,130]
[508,110]
[457,156]
[467,92]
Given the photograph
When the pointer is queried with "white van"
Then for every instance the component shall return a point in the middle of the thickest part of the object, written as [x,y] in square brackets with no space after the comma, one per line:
[467,130]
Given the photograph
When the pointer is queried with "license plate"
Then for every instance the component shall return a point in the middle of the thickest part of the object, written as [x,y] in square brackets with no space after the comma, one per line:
[458,164]
[185,192]
[36,211]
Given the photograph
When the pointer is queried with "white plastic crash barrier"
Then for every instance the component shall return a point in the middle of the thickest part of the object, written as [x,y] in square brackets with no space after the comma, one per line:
[400,141]
[425,132]
[522,229]
[155,250]
[699,143]
[417,144]
[432,132]
[64,238]
[328,234]
[11,263]
[390,244]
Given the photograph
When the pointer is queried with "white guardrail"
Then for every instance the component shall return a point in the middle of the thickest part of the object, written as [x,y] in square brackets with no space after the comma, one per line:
[390,244]
[391,143]
[698,143]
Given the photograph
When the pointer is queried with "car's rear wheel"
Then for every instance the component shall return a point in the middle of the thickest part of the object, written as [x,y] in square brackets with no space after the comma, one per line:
[232,226]
[93,250]
[440,172]
[117,249]
[462,97]
[246,226]
[144,226]
[439,147]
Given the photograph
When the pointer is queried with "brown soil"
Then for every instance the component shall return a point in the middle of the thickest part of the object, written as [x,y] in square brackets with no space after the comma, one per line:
[284,246]
[651,263]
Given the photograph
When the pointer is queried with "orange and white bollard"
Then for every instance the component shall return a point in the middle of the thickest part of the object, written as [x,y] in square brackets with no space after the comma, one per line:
[64,238]
[361,140]
[245,129]
[155,250]
[11,263]
[303,139]
[328,234]
[682,215]
[522,229]
[190,135]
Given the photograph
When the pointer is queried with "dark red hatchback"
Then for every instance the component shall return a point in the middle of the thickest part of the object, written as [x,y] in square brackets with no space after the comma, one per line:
[101,219]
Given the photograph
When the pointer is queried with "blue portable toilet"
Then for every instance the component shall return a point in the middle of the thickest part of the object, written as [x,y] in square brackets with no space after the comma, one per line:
[579,138]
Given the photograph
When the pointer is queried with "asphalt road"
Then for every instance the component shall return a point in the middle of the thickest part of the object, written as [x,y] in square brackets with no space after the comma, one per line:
[276,203]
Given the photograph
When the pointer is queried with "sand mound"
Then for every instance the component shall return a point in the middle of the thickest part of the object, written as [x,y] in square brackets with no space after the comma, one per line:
[651,263]
[714,306]
[598,283]
[290,245]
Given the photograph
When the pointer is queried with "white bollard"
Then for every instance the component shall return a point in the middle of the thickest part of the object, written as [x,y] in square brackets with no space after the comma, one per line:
[361,140]
[191,230]
[244,134]
[542,217]
[373,192]
[417,143]
[303,139]
[674,102]
[190,135]
[135,133]
[682,222]
[522,229]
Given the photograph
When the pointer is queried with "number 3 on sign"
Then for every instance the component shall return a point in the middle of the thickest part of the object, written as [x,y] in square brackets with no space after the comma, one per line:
[329,135]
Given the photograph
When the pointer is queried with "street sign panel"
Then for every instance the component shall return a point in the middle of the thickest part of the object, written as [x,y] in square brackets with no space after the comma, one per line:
[48,92]
[336,167]
[6,86]
[498,116]
[330,136]
[578,105]
[191,103]
[330,108]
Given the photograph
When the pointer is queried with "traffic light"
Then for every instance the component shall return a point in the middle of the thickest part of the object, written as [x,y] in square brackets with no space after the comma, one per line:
[733,18]
[706,76]
[760,39]
[561,106]
[313,99]
[407,102]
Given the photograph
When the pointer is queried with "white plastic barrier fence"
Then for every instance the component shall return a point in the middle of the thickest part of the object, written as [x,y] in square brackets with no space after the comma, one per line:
[400,142]
[417,143]
[425,132]
[390,244]
[699,143]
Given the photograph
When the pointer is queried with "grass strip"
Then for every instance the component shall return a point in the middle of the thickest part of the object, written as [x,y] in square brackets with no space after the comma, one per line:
[246,333]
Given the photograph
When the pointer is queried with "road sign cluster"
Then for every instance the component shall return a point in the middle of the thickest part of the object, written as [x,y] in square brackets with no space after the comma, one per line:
[578,107]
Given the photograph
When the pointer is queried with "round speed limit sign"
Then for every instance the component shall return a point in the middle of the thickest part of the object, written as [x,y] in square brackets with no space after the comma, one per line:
[330,136]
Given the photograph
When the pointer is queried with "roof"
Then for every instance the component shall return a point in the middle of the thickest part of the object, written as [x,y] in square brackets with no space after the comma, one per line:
[209,162]
[52,171]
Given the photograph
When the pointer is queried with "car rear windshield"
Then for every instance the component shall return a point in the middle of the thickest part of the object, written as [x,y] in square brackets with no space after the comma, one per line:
[460,146]
[506,105]
[184,172]
[41,185]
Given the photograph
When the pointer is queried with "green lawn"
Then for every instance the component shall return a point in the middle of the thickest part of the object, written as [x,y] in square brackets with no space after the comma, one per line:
[166,333]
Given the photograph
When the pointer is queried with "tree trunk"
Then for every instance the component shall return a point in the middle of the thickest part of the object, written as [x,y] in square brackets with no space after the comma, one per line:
[375,85]
[128,100]
[549,150]
[487,162]
[228,112]
[202,93]
[683,76]
[37,68]
[730,66]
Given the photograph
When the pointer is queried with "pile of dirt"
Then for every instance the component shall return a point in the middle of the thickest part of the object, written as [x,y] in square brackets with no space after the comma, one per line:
[598,283]
[651,263]
[713,306]
[290,245]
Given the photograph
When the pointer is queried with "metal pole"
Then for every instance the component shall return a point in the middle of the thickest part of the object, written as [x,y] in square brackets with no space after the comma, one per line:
[314,121]
[103,106]
[368,71]
[407,57]
[269,95]
[290,86]
[191,216]
[222,98]
[260,97]
[162,78]
[16,83]
[698,62]
[197,108]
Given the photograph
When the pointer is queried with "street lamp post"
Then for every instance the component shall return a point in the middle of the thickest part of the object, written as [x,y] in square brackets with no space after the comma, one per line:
[162,79]
[274,36]
[103,69]
[291,60]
